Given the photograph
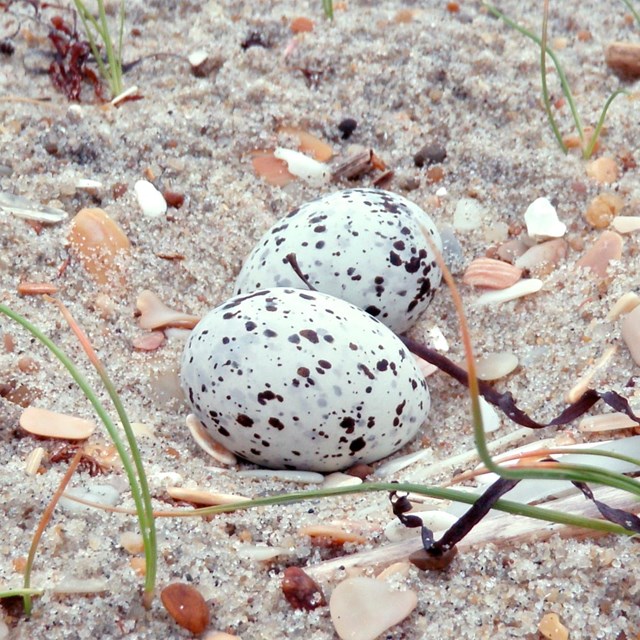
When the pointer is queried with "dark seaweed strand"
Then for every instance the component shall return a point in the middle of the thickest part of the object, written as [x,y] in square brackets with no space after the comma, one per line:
[293,261]
[505,401]
[617,516]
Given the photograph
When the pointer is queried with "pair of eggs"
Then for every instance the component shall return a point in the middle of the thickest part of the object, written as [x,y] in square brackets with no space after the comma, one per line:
[288,376]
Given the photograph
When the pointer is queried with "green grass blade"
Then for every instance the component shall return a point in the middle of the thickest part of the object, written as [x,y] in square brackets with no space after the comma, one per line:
[631,8]
[588,151]
[327,6]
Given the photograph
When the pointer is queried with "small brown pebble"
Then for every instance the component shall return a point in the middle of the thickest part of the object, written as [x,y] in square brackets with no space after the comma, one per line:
[430,153]
[606,248]
[435,175]
[347,127]
[301,25]
[274,171]
[139,565]
[624,59]
[27,364]
[453,7]
[186,606]
[301,591]
[174,199]
[118,190]
[603,170]
[362,471]
[403,16]
[427,562]
[603,209]
[8,342]
[584,35]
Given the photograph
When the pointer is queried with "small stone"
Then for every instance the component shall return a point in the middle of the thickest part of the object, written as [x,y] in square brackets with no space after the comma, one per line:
[132,542]
[174,199]
[361,470]
[624,304]
[200,496]
[603,170]
[494,366]
[468,214]
[363,608]
[626,224]
[148,341]
[542,220]
[542,259]
[431,153]
[606,248]
[155,314]
[331,536]
[301,25]
[630,329]
[151,201]
[49,424]
[204,440]
[301,591]
[428,562]
[551,628]
[347,127]
[186,606]
[603,209]
[624,59]
[339,479]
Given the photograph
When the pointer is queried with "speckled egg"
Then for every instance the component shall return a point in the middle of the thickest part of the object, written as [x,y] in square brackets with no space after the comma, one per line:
[366,246]
[289,378]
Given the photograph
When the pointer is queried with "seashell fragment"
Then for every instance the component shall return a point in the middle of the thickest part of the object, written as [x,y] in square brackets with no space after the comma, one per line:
[542,220]
[24,208]
[625,303]
[339,479]
[585,380]
[626,224]
[273,170]
[262,553]
[199,496]
[148,341]
[218,452]
[308,143]
[32,463]
[335,535]
[151,201]
[606,248]
[303,167]
[397,464]
[542,258]
[518,290]
[494,366]
[468,214]
[155,314]
[49,424]
[491,274]
[630,329]
[363,608]
[606,422]
[603,209]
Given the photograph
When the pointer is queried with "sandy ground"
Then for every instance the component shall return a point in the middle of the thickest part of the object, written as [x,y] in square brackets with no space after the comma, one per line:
[461,80]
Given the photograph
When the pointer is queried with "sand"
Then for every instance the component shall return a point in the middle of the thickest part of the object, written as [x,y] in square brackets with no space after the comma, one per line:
[409,74]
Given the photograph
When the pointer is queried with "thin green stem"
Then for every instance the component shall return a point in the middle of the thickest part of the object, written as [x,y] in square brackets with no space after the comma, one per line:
[588,151]
[631,8]
[20,593]
[145,518]
[327,6]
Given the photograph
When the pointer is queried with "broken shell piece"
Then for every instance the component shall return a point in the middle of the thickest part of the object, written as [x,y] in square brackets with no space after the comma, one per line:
[273,170]
[148,341]
[606,422]
[626,303]
[151,201]
[339,479]
[24,208]
[490,417]
[603,170]
[542,220]
[262,553]
[518,290]
[208,444]
[468,214]
[397,464]
[49,424]
[603,209]
[199,496]
[395,570]
[98,241]
[335,536]
[155,314]
[630,329]
[363,608]
[32,463]
[308,143]
[303,167]
[491,274]
[90,186]
[585,380]
[606,248]
[626,224]
[511,250]
[494,366]
[542,258]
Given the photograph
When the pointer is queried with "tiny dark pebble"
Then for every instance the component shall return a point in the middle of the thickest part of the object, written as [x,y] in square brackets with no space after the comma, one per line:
[254,39]
[301,591]
[347,127]
[174,199]
[118,190]
[429,154]
[7,48]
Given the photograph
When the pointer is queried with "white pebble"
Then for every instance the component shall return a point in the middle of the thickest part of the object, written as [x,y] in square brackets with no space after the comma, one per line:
[626,224]
[518,290]
[397,464]
[303,167]
[630,328]
[542,220]
[196,58]
[363,608]
[151,201]
[494,366]
[261,553]
[468,214]
[71,585]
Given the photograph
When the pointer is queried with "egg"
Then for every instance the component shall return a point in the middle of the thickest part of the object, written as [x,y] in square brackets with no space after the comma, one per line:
[296,379]
[366,246]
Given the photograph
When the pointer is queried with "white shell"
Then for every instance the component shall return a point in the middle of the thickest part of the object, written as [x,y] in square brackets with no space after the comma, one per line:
[293,379]
[542,220]
[366,246]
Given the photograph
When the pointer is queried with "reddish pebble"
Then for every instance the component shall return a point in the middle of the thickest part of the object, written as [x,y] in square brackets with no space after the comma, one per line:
[148,341]
[301,591]
[301,25]
[174,199]
[186,606]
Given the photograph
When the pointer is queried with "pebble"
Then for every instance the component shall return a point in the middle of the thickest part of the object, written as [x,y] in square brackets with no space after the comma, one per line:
[347,127]
[151,201]
[395,570]
[155,314]
[132,542]
[494,366]
[490,417]
[606,248]
[308,143]
[427,562]
[542,220]
[204,440]
[262,553]
[49,424]
[468,214]
[630,329]
[363,608]
[491,274]
[431,153]
[104,494]
[603,209]
[339,479]
[518,290]
[452,250]
[511,250]
[603,170]
[397,464]
[186,606]
[626,224]
[208,498]
[273,170]
[302,166]
[542,258]
[551,628]
[334,536]
[98,241]
[301,24]
[32,463]
[148,341]
[70,585]
[301,591]
[624,304]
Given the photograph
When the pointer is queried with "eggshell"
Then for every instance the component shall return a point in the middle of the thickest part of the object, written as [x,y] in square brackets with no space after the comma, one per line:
[366,246]
[296,379]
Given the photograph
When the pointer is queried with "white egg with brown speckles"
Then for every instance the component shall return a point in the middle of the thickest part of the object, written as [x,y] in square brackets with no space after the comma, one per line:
[289,378]
[366,246]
